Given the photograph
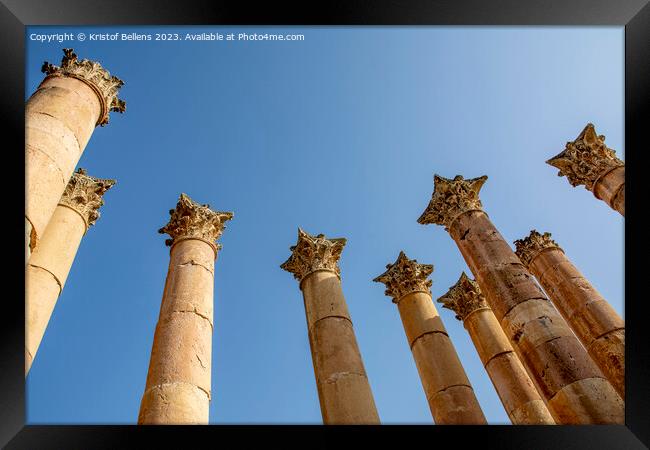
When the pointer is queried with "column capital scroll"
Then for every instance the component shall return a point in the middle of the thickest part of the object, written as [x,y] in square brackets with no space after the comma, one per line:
[451,198]
[464,297]
[192,220]
[105,85]
[586,159]
[313,253]
[405,276]
[531,245]
[84,194]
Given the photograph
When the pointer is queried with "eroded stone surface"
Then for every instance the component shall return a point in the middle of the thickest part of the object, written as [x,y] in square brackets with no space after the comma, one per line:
[178,387]
[554,358]
[343,389]
[590,316]
[50,263]
[588,161]
[509,377]
[313,253]
[447,388]
[106,85]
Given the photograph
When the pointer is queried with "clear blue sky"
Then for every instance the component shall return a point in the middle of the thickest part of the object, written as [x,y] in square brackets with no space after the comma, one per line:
[339,134]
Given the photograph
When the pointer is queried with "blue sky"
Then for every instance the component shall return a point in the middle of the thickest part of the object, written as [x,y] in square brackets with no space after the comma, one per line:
[339,134]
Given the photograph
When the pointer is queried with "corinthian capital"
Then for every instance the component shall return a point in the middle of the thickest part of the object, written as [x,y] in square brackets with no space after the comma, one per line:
[84,194]
[192,220]
[586,159]
[312,253]
[405,276]
[94,75]
[464,297]
[451,198]
[530,246]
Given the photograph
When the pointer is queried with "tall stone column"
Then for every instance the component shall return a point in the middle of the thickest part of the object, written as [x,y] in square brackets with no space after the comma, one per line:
[516,390]
[59,120]
[449,393]
[343,389]
[178,382]
[49,265]
[588,161]
[600,329]
[574,388]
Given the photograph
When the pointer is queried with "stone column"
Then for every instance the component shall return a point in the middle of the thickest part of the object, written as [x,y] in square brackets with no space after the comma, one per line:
[516,390]
[588,161]
[178,382]
[600,329]
[49,265]
[448,390]
[574,388]
[59,119]
[343,389]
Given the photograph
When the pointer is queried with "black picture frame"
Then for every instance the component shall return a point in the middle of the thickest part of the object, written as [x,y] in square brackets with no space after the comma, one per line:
[15,15]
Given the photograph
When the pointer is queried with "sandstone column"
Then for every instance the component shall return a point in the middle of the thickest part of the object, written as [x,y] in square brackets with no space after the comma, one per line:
[600,329]
[343,389]
[516,390]
[588,161]
[448,390]
[574,388]
[59,119]
[49,265]
[178,382]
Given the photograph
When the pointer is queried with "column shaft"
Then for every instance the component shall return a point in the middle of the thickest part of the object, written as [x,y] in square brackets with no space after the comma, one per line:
[343,388]
[178,382]
[610,188]
[46,274]
[600,329]
[59,120]
[574,388]
[516,390]
[449,392]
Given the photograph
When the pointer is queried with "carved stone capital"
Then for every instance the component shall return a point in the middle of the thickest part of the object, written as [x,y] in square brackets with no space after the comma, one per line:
[405,276]
[84,194]
[586,159]
[193,220]
[451,198]
[530,246]
[94,75]
[312,253]
[464,297]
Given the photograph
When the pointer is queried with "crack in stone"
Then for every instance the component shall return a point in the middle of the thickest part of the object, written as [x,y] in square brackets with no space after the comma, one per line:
[191,262]
[194,311]
[58,119]
[338,375]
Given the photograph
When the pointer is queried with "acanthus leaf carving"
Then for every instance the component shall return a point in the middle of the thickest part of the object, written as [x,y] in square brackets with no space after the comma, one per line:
[405,276]
[312,253]
[192,220]
[586,159]
[84,194]
[92,73]
[464,297]
[530,246]
[451,198]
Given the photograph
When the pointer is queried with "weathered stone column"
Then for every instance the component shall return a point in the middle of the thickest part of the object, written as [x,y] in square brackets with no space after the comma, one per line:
[600,329]
[59,119]
[49,265]
[178,381]
[449,393]
[574,389]
[516,390]
[588,161]
[343,389]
